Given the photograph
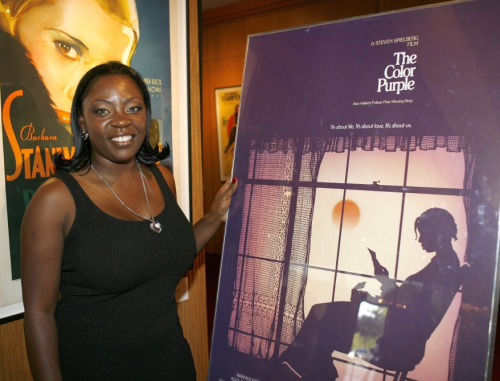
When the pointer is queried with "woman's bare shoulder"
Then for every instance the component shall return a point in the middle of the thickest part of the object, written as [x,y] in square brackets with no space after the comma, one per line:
[53,189]
[52,202]
[168,176]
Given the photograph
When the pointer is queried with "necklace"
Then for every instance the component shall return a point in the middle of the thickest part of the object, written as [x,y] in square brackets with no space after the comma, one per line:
[154,225]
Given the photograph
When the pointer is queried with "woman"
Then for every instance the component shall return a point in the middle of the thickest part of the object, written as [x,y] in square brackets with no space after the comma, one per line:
[61,44]
[104,244]
[415,309]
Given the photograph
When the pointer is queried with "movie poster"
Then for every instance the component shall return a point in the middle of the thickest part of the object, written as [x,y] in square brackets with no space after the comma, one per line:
[362,241]
[47,46]
[227,105]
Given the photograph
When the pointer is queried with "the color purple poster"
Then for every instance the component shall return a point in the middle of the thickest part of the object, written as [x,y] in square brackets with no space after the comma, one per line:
[362,242]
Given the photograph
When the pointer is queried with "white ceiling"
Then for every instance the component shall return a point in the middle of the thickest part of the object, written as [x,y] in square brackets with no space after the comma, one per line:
[209,4]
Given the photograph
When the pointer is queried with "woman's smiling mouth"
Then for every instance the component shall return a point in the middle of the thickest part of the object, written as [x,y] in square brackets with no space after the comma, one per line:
[122,138]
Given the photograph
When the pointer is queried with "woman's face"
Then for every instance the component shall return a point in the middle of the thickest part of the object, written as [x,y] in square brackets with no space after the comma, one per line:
[429,239]
[69,37]
[115,117]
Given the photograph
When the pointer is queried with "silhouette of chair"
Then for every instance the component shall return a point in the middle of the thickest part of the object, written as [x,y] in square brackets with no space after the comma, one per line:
[400,371]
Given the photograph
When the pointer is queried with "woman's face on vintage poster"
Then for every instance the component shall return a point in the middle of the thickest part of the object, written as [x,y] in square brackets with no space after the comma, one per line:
[68,37]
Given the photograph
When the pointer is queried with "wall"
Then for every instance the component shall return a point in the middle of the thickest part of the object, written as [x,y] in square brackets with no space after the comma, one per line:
[224,36]
[13,360]
[193,312]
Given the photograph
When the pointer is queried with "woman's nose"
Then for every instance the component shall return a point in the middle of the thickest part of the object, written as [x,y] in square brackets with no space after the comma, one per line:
[120,119]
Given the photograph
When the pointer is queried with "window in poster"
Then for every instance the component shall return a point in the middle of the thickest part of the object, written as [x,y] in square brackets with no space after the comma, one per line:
[227,104]
[32,130]
[365,236]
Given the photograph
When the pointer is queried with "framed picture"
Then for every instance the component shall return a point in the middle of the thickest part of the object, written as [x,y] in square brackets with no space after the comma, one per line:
[32,130]
[364,237]
[227,104]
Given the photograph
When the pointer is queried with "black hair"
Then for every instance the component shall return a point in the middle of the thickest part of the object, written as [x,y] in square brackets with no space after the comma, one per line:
[437,220]
[82,157]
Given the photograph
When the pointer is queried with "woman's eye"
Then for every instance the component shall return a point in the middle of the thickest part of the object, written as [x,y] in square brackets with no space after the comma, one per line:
[67,50]
[100,111]
[135,109]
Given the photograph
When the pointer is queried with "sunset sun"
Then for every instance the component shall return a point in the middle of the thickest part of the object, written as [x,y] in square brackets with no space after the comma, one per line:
[351,214]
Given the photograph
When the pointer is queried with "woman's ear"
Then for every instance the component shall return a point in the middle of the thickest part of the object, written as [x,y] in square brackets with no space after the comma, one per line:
[81,122]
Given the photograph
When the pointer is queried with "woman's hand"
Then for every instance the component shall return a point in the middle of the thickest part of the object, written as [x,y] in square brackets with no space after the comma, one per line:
[222,199]
[206,228]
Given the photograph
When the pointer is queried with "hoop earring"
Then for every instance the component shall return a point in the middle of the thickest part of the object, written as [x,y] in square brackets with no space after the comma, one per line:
[84,135]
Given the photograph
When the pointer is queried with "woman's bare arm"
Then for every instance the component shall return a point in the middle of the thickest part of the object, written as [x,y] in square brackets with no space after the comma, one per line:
[46,222]
[208,225]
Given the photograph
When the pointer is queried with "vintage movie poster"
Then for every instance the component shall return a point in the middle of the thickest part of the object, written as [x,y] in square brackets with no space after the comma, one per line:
[362,242]
[47,46]
[227,106]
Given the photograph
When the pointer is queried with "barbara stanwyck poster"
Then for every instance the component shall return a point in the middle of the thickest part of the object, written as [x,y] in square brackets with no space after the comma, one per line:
[46,48]
[362,241]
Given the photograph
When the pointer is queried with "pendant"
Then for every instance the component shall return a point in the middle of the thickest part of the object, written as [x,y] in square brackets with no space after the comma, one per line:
[155,226]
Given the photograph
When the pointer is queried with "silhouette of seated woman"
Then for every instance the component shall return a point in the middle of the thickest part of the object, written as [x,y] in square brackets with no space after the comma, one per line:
[415,309]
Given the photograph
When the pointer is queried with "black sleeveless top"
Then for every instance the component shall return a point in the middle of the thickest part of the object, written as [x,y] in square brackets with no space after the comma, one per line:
[117,316]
